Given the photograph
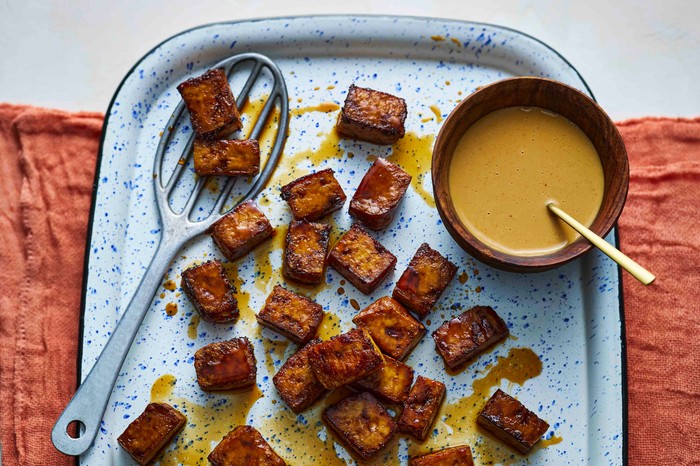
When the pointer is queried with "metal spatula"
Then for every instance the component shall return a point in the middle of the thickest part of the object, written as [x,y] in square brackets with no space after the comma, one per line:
[88,405]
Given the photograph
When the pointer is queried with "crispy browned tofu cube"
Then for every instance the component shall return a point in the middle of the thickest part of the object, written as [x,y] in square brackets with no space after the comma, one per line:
[391,383]
[305,251]
[345,358]
[296,382]
[395,331]
[421,407]
[226,365]
[362,424]
[455,456]
[511,422]
[424,280]
[240,230]
[244,446]
[361,259]
[294,316]
[468,335]
[226,157]
[314,196]
[372,116]
[379,194]
[210,291]
[210,102]
[151,431]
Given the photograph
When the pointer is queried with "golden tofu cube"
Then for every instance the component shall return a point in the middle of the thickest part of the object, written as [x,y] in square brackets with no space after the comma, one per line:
[362,423]
[395,331]
[151,431]
[511,422]
[314,196]
[455,456]
[421,407]
[226,157]
[210,291]
[424,280]
[345,358]
[391,383]
[241,230]
[468,335]
[296,382]
[244,446]
[210,102]
[294,316]
[379,194]
[305,251]
[226,365]
[372,116]
[361,259]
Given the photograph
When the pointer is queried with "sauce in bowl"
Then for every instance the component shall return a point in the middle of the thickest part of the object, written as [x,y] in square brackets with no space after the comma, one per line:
[509,164]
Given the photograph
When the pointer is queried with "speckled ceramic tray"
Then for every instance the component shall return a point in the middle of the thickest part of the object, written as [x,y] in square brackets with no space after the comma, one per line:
[565,359]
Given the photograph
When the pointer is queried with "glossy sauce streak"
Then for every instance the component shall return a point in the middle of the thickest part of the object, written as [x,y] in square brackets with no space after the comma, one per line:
[193,326]
[171,309]
[414,154]
[324,107]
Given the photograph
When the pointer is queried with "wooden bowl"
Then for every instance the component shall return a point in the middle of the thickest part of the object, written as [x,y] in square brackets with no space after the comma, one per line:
[550,95]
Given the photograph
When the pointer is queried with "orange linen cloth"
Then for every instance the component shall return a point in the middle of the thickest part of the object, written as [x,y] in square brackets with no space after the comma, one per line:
[47,160]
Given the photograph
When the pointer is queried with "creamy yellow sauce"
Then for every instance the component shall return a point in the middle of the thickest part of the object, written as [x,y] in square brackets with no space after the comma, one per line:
[506,168]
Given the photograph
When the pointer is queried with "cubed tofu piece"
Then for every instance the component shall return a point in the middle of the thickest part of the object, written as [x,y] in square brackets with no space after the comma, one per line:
[345,358]
[296,382]
[244,446]
[372,116]
[314,196]
[455,456]
[395,331]
[226,365]
[226,157]
[391,383]
[294,316]
[241,230]
[468,335]
[151,431]
[421,407]
[511,422]
[424,280]
[362,424]
[361,259]
[210,291]
[379,194]
[305,251]
[212,107]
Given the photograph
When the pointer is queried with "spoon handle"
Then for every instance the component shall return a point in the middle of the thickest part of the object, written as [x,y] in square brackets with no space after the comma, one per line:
[639,272]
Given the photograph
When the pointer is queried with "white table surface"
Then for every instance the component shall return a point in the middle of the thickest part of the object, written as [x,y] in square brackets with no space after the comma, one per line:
[640,57]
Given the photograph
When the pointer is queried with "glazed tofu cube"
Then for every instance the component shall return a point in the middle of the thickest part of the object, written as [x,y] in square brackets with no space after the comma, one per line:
[294,316]
[391,383]
[395,331]
[210,291]
[225,365]
[379,194]
[210,102]
[372,116]
[421,407]
[151,431]
[511,422]
[362,424]
[424,280]
[296,382]
[240,230]
[345,358]
[226,157]
[244,446]
[469,335]
[314,196]
[305,251]
[361,259]
[455,456]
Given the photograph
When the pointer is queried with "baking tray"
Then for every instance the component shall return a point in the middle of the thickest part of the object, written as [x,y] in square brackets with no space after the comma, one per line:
[565,359]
